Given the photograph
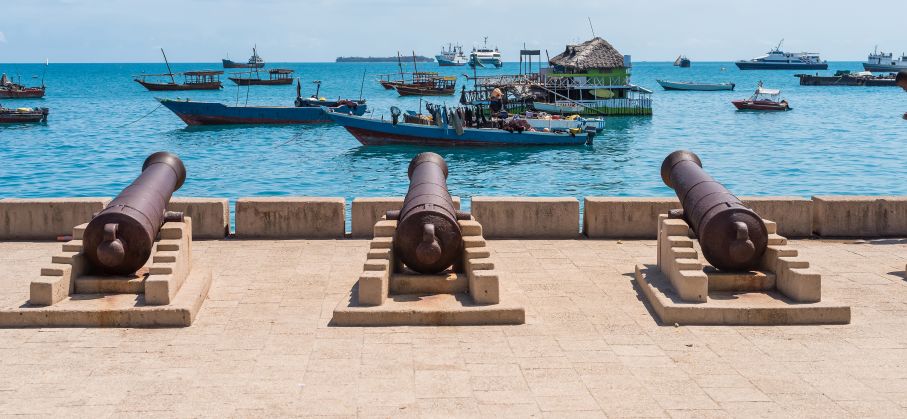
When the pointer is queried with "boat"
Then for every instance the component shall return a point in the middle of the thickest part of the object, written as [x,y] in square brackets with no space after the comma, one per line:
[763,100]
[452,56]
[689,85]
[846,78]
[305,111]
[23,115]
[10,90]
[192,80]
[682,61]
[485,57]
[448,128]
[776,59]
[254,61]
[427,84]
[882,62]
[276,76]
[541,121]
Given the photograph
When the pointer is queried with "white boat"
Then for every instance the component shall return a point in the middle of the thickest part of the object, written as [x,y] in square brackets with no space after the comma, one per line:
[776,59]
[881,62]
[689,85]
[451,56]
[485,57]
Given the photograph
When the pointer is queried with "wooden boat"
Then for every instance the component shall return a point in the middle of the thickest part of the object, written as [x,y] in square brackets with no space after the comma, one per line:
[430,85]
[763,100]
[447,132]
[10,90]
[192,80]
[254,61]
[276,76]
[304,111]
[23,115]
[694,86]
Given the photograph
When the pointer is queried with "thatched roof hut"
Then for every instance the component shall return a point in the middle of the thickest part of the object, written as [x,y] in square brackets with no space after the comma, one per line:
[595,53]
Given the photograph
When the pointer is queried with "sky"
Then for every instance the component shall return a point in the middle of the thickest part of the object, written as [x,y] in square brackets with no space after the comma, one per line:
[321,30]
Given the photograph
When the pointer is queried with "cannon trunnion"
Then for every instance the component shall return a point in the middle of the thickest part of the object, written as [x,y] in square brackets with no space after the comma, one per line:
[732,236]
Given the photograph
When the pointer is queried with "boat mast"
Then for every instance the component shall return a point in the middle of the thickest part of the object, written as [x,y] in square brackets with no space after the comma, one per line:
[169,71]
[400,65]
[415,69]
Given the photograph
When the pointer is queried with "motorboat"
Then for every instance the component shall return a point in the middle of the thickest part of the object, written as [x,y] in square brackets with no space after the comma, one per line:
[763,100]
[690,85]
[776,59]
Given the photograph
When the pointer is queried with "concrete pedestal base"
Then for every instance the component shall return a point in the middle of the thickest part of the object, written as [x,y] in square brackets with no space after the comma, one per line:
[68,294]
[388,294]
[684,289]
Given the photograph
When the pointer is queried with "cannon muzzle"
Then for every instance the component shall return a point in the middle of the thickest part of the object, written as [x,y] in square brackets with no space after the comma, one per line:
[428,238]
[732,236]
[119,239]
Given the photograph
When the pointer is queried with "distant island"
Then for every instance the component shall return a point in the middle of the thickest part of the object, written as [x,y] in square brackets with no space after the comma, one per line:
[419,59]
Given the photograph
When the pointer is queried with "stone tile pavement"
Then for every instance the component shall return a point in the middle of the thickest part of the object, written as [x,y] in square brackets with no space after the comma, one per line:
[261,345]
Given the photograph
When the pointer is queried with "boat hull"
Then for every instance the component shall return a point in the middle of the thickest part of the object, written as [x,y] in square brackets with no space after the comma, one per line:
[755,65]
[759,105]
[212,113]
[164,87]
[883,68]
[699,87]
[27,93]
[847,80]
[260,82]
[423,91]
[234,64]
[370,131]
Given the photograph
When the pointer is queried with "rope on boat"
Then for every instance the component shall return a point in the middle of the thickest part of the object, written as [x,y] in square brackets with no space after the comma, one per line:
[143,117]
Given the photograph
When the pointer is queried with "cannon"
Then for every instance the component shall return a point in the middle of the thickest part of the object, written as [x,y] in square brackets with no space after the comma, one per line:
[428,239]
[732,236]
[118,240]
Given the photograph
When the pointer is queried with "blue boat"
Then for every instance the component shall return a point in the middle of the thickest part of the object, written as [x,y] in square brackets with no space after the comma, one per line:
[372,131]
[305,111]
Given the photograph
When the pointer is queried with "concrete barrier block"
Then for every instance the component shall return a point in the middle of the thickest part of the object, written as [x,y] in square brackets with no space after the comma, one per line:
[210,216]
[290,218]
[860,216]
[792,214]
[45,218]
[527,217]
[365,212]
[624,218]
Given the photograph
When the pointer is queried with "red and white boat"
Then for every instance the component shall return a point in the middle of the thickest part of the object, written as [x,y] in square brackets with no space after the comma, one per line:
[763,100]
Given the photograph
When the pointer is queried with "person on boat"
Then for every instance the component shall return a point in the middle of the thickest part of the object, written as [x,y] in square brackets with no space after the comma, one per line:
[497,101]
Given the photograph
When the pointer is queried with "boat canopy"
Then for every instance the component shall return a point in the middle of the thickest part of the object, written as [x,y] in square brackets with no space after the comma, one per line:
[764,91]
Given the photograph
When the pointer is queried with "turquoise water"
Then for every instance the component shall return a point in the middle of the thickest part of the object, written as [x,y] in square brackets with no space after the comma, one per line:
[837,140]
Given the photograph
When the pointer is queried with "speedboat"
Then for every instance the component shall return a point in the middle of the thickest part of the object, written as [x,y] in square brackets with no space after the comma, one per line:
[776,59]
[689,85]
[763,100]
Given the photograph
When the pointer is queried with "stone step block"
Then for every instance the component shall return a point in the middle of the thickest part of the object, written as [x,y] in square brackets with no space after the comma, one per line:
[470,228]
[164,257]
[484,287]
[377,265]
[447,283]
[382,243]
[477,253]
[473,241]
[73,246]
[385,228]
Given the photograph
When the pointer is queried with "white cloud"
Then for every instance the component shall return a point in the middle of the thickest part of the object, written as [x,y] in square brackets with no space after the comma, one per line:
[2,38]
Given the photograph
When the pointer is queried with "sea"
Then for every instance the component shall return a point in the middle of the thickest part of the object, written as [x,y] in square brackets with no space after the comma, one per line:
[102,125]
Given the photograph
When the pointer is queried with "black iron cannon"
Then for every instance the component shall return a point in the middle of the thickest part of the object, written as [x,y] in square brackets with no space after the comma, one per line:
[428,239]
[732,236]
[119,239]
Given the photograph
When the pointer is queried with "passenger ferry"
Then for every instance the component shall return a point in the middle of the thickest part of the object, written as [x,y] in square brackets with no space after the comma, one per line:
[452,56]
[882,62]
[485,57]
[776,59]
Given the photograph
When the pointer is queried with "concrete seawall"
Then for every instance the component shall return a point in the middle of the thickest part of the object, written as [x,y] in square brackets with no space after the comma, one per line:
[502,217]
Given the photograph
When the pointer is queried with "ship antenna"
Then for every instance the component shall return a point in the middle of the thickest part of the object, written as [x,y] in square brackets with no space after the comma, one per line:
[590,26]
[778,48]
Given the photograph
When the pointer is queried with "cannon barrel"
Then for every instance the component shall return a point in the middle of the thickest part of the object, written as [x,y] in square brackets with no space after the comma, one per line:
[428,238]
[732,236]
[118,239]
